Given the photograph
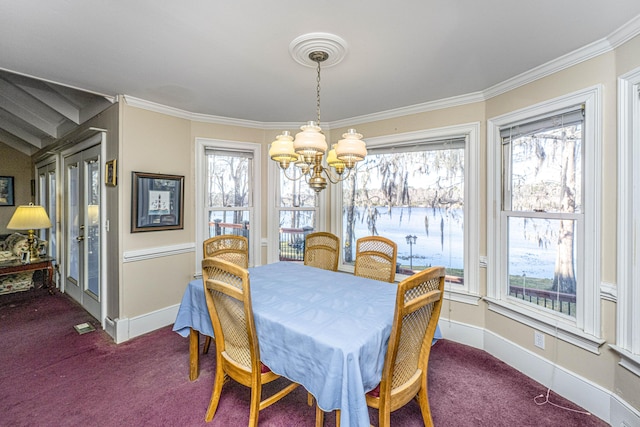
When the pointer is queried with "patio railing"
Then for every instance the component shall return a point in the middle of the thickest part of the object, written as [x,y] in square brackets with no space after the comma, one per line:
[557,301]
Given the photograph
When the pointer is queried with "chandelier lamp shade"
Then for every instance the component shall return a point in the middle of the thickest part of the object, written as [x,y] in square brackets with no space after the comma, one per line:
[307,150]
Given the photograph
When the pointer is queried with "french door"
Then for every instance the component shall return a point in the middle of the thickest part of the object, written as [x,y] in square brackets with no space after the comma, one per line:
[82,228]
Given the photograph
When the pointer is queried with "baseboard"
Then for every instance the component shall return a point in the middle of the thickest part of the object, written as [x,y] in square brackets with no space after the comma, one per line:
[589,395]
[128,328]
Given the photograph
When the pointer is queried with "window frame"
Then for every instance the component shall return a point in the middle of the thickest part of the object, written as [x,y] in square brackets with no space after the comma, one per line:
[255,214]
[273,205]
[470,132]
[628,268]
[584,332]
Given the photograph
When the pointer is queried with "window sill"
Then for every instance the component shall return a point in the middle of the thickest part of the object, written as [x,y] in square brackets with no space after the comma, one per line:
[547,324]
[628,360]
[461,296]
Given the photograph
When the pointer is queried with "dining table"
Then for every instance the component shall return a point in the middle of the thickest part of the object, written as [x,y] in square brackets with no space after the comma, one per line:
[325,330]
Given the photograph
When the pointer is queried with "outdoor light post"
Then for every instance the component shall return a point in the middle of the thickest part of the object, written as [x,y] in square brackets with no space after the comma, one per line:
[411,240]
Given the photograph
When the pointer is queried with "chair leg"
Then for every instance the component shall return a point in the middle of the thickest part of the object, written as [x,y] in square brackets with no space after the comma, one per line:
[215,394]
[319,417]
[207,343]
[254,408]
[423,402]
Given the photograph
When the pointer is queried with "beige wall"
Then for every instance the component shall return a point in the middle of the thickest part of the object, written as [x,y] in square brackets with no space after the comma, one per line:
[19,166]
[154,142]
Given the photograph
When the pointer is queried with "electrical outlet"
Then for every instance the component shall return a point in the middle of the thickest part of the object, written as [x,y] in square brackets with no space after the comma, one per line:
[538,339]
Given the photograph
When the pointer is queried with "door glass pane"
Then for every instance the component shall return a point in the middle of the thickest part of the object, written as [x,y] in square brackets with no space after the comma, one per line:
[92,228]
[535,275]
[52,206]
[73,225]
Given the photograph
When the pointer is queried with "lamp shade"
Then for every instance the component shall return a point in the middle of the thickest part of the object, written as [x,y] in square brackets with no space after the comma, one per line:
[29,217]
[282,150]
[351,149]
[310,142]
[333,161]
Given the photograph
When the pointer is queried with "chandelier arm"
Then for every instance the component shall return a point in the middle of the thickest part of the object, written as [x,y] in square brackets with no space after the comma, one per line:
[339,178]
[293,178]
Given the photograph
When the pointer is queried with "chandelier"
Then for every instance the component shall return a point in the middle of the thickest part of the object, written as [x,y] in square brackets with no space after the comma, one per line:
[309,147]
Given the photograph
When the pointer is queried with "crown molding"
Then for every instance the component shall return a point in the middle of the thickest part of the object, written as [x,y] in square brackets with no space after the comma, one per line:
[412,109]
[187,115]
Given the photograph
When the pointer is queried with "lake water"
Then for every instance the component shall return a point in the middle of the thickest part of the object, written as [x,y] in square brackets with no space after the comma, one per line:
[439,240]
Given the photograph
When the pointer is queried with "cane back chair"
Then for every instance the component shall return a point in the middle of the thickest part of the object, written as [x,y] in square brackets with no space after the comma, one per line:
[230,248]
[404,373]
[321,250]
[228,295]
[376,258]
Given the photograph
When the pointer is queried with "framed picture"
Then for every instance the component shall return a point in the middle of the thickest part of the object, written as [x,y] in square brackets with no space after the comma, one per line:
[6,191]
[110,173]
[157,202]
[25,257]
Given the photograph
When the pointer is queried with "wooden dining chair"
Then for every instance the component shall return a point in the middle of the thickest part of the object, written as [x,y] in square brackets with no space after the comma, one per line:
[230,248]
[228,295]
[404,373]
[376,258]
[321,250]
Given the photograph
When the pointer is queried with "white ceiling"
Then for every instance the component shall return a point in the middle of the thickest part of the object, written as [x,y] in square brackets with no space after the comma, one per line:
[231,58]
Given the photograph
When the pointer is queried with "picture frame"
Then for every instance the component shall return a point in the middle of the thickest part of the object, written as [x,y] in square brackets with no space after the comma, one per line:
[110,173]
[157,202]
[7,197]
[25,257]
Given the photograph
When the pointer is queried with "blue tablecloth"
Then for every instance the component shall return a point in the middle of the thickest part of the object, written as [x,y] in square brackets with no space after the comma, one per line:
[325,330]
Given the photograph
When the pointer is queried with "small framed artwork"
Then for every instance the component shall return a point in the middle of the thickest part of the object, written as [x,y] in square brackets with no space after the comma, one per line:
[110,173]
[157,202]
[6,191]
[26,257]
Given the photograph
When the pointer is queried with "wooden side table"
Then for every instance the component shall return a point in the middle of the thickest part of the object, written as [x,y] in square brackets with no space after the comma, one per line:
[43,263]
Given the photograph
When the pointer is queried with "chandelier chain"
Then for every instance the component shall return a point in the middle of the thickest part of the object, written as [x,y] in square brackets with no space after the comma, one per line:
[318,93]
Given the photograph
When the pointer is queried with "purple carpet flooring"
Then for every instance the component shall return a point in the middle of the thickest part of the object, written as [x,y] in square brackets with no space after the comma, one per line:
[52,376]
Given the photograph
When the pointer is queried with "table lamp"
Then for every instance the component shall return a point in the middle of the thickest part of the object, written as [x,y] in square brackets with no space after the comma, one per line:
[30,217]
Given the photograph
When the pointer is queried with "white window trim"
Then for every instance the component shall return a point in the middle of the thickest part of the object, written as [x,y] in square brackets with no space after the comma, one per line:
[628,268]
[273,220]
[471,133]
[202,144]
[585,332]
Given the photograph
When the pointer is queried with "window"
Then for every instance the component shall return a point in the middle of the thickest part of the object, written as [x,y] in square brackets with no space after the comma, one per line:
[296,212]
[296,208]
[544,247]
[419,190]
[628,271]
[542,209]
[226,179]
